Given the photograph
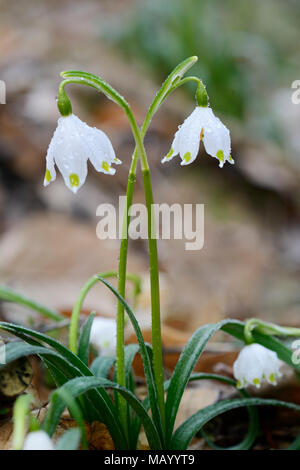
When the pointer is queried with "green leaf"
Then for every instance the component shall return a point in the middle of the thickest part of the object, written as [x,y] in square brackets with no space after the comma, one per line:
[102,365]
[66,397]
[130,351]
[84,339]
[70,440]
[250,437]
[81,385]
[184,434]
[18,349]
[9,295]
[145,358]
[184,367]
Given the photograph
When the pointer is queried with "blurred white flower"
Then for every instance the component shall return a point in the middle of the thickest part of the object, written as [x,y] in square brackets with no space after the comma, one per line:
[103,336]
[72,145]
[254,364]
[202,124]
[38,440]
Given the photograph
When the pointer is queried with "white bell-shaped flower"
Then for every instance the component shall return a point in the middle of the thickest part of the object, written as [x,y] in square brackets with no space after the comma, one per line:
[72,145]
[254,364]
[38,440]
[202,124]
[103,336]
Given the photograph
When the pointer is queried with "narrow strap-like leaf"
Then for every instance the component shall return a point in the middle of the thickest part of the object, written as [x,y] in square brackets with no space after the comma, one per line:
[70,440]
[81,385]
[184,367]
[84,339]
[184,434]
[102,365]
[130,352]
[250,437]
[10,295]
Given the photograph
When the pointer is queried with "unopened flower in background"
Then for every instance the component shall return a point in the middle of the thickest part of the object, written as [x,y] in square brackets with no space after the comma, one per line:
[38,440]
[203,125]
[103,336]
[72,145]
[256,364]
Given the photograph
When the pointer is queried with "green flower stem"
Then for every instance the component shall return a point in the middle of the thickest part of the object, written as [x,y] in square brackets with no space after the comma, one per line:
[155,297]
[20,413]
[269,329]
[201,93]
[120,355]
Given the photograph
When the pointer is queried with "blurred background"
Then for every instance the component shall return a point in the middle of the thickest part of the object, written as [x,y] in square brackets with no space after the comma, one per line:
[248,57]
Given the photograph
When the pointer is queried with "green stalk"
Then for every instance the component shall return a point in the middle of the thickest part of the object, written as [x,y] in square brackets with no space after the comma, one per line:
[155,297]
[20,413]
[120,356]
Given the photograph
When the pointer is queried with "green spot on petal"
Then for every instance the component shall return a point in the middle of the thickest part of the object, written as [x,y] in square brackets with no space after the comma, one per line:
[74,180]
[256,382]
[272,378]
[187,157]
[239,384]
[48,176]
[220,155]
[170,154]
[230,159]
[105,166]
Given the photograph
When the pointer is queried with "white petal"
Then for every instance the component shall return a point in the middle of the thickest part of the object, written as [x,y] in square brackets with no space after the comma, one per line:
[216,138]
[50,174]
[100,150]
[189,138]
[174,148]
[38,440]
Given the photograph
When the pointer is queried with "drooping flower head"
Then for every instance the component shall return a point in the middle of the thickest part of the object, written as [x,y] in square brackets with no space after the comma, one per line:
[254,364]
[201,125]
[38,440]
[103,336]
[72,145]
